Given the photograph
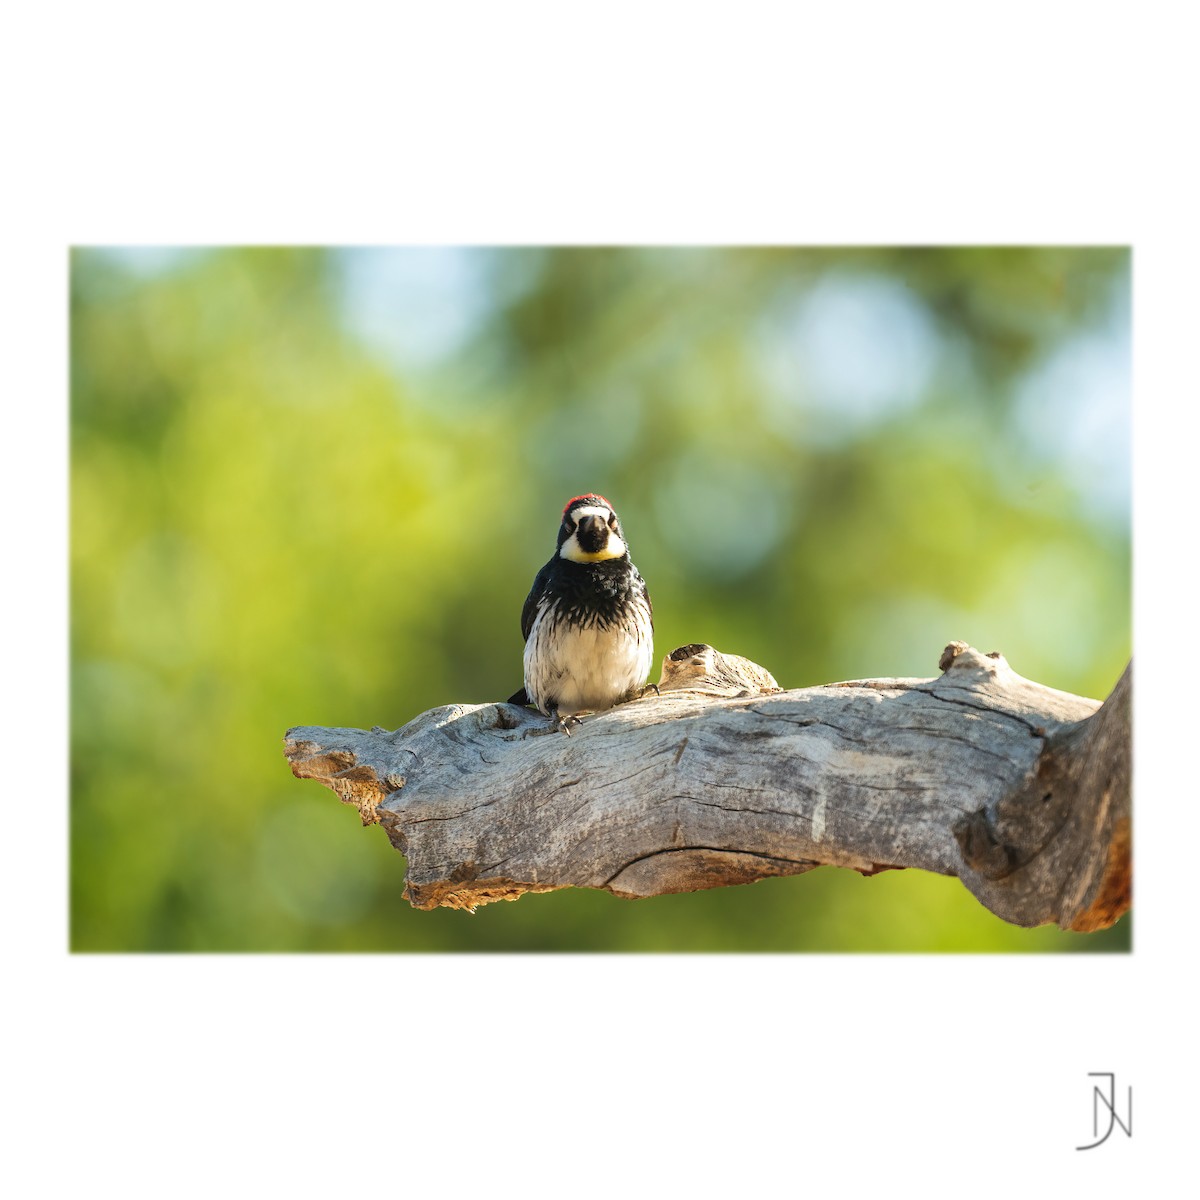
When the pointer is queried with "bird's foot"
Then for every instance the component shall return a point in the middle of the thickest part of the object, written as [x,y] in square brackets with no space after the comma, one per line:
[650,687]
[565,723]
[557,724]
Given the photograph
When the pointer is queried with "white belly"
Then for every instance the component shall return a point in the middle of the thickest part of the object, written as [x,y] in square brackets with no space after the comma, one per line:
[579,669]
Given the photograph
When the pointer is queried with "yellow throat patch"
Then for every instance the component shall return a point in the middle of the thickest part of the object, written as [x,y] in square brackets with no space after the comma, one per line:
[572,550]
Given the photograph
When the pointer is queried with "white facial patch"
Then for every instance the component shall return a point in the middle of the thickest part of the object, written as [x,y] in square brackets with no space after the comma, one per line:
[589,510]
[571,549]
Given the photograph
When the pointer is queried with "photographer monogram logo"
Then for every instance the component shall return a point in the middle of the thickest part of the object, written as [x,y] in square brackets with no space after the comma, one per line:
[1104,1104]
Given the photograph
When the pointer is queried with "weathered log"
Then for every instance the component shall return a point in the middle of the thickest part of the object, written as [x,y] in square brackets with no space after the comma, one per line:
[1020,790]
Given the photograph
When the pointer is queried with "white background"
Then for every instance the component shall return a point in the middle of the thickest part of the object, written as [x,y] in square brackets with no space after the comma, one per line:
[536,123]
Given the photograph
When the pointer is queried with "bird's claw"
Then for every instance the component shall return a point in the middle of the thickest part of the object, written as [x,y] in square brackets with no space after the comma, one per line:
[556,724]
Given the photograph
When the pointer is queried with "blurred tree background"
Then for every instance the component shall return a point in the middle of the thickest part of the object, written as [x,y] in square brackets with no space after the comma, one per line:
[312,486]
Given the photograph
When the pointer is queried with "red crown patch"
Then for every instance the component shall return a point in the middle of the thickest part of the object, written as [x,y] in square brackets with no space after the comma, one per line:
[585,500]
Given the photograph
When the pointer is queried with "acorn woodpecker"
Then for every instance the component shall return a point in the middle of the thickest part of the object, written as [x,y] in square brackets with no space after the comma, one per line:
[587,624]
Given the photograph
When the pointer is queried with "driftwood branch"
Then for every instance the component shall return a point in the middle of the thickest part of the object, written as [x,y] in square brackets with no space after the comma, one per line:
[1021,791]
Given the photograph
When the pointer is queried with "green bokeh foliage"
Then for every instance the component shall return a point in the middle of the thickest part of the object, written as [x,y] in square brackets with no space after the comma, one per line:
[273,524]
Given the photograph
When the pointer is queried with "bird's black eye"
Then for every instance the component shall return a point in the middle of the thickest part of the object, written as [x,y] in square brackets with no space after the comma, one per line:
[568,525]
[612,522]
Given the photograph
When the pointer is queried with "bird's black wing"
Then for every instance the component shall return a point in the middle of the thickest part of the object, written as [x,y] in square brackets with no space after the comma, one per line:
[529,612]
[528,615]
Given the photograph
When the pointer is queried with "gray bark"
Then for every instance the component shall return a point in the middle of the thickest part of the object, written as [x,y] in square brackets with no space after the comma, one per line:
[1020,790]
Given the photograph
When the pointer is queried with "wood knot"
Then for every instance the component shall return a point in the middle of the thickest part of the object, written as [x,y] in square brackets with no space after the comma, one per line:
[981,850]
[961,656]
[699,667]
[507,716]
[950,653]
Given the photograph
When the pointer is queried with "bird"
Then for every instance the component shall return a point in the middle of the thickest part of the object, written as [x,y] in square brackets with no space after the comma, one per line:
[587,622]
